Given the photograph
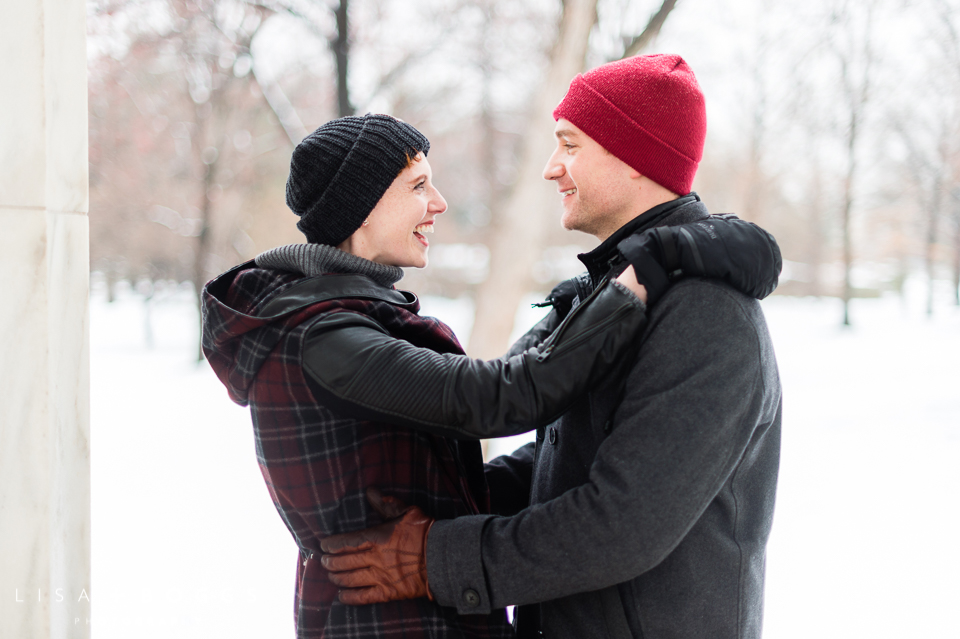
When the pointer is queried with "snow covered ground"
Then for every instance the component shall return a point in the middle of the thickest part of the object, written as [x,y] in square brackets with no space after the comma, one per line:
[186,542]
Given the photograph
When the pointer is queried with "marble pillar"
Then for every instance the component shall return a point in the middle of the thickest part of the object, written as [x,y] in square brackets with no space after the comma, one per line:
[44,346]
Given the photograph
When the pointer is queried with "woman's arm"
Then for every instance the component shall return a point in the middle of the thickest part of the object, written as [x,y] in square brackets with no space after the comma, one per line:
[359,370]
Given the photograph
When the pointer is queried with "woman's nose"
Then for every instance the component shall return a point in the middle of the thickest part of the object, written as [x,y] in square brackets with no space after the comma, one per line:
[438,205]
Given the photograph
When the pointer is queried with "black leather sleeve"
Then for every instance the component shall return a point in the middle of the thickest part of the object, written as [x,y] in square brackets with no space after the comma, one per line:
[540,331]
[359,370]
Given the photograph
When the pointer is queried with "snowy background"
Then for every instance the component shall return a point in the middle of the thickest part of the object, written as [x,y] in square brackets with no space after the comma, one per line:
[186,542]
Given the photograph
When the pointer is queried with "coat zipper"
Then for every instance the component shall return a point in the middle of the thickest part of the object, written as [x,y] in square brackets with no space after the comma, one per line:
[548,351]
[610,319]
[566,322]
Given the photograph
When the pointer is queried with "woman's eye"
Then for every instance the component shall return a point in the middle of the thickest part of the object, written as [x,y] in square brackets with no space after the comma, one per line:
[420,185]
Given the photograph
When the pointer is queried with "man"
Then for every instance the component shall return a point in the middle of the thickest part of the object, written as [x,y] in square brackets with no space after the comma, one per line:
[651,499]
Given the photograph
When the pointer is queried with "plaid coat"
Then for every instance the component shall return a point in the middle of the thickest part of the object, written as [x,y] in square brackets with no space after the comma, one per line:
[317,464]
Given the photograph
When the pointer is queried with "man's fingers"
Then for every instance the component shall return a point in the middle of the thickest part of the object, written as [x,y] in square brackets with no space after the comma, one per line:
[347,561]
[363,578]
[347,542]
[362,596]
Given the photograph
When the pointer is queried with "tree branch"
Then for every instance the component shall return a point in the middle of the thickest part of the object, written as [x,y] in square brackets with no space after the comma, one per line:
[651,31]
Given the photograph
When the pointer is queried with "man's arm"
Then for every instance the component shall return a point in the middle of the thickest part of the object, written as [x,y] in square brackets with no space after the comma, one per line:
[692,404]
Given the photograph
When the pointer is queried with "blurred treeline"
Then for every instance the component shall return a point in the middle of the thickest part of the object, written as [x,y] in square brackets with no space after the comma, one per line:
[835,124]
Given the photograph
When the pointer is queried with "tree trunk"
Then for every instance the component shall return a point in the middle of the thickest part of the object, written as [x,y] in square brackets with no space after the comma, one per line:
[203,243]
[518,227]
[956,246]
[652,30]
[341,51]
[932,233]
[815,250]
[847,210]
[857,92]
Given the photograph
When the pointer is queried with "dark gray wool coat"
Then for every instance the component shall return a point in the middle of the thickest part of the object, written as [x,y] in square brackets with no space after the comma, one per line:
[652,498]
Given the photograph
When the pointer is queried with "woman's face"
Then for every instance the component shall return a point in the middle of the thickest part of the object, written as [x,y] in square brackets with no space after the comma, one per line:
[395,231]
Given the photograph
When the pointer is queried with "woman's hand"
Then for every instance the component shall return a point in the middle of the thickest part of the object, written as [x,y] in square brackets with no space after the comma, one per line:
[629,279]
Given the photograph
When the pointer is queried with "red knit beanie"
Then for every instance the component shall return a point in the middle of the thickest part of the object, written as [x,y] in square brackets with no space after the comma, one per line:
[648,111]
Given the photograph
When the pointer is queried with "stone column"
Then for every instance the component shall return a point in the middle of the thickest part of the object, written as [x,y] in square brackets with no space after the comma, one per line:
[44,346]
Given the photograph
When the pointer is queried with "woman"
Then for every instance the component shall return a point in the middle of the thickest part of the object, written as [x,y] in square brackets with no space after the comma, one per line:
[362,187]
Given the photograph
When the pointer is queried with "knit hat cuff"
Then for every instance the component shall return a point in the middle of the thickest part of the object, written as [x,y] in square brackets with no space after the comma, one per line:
[619,134]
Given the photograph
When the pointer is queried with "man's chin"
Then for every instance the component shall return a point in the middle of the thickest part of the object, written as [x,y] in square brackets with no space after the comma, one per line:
[573,223]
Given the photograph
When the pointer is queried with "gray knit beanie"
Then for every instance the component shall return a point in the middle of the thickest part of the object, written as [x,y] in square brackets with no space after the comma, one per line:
[339,172]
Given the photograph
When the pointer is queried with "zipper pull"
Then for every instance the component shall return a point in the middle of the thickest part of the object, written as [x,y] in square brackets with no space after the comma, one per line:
[542,357]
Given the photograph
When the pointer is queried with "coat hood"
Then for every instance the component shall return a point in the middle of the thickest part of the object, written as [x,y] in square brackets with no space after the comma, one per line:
[247,311]
[232,308]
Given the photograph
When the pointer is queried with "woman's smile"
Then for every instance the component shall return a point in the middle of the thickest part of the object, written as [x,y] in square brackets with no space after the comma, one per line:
[421,230]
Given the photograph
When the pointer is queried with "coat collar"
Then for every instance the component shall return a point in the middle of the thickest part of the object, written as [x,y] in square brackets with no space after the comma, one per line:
[601,259]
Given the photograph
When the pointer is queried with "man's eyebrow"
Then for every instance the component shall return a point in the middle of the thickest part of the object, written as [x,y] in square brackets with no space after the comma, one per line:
[565,133]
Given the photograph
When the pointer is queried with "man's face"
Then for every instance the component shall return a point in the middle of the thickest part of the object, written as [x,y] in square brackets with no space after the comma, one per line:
[595,186]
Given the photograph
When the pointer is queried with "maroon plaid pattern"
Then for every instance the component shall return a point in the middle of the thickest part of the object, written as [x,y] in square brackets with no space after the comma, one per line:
[317,464]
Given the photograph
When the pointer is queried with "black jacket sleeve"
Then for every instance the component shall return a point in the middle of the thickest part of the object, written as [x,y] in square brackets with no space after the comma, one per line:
[359,370]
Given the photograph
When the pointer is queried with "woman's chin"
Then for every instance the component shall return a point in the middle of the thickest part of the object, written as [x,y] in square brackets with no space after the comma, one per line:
[419,260]
[412,262]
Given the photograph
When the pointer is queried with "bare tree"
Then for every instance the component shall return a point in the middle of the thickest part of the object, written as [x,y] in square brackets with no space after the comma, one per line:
[651,31]
[519,224]
[170,161]
[947,35]
[341,51]
[955,220]
[929,134]
[928,166]
[853,50]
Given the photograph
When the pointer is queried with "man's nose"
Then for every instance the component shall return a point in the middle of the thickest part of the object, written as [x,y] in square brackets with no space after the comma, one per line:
[553,169]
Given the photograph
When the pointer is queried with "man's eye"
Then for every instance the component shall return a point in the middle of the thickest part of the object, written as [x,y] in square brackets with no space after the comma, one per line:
[420,185]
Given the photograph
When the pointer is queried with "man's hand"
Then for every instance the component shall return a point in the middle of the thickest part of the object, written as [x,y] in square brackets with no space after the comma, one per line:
[384,563]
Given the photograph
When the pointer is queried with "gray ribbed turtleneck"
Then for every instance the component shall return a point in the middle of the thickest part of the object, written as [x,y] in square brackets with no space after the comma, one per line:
[317,259]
